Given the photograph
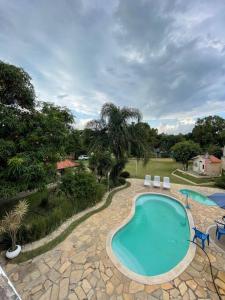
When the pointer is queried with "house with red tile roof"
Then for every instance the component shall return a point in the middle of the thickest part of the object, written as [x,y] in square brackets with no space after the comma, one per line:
[207,165]
[65,164]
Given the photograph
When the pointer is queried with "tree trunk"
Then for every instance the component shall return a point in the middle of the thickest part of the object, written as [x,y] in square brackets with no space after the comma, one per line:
[13,238]
[186,166]
[136,168]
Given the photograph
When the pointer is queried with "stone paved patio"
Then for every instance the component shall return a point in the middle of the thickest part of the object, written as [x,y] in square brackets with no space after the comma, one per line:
[79,267]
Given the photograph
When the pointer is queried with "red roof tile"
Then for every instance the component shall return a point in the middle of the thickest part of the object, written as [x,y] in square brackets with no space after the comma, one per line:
[66,164]
[214,159]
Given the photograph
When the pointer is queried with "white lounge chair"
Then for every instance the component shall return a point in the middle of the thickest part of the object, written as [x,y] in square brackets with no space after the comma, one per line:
[166,183]
[156,182]
[147,181]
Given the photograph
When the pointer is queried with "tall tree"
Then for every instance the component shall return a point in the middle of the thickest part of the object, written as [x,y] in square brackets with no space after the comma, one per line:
[16,87]
[113,132]
[215,150]
[144,140]
[73,144]
[31,140]
[184,151]
[101,163]
[167,141]
[209,131]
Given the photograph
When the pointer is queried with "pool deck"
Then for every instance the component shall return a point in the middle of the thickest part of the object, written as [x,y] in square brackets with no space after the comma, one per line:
[79,267]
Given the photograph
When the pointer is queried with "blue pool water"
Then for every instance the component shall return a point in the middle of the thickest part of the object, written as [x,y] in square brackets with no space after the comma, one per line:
[198,197]
[156,239]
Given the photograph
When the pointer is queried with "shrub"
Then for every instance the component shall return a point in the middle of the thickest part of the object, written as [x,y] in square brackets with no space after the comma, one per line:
[44,202]
[122,180]
[115,183]
[100,190]
[82,189]
[220,182]
[33,231]
[125,174]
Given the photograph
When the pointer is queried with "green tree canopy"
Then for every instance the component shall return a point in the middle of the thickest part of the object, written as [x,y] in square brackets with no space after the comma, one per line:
[73,144]
[184,151]
[16,87]
[30,146]
[81,189]
[101,163]
[167,141]
[144,140]
[209,131]
[31,141]
[215,150]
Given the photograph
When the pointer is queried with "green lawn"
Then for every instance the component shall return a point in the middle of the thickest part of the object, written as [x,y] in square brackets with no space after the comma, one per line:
[156,166]
[195,179]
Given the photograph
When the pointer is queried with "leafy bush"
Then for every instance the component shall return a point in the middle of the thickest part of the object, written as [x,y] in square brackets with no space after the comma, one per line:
[34,230]
[118,182]
[44,202]
[82,189]
[100,190]
[220,182]
[122,181]
[125,174]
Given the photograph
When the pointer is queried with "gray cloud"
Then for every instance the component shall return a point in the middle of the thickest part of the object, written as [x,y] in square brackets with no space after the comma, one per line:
[164,57]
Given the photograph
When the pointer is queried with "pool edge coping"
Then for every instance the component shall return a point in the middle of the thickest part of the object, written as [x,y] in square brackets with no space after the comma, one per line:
[157,279]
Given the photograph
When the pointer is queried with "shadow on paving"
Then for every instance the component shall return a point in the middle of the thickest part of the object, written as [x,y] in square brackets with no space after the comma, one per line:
[221,242]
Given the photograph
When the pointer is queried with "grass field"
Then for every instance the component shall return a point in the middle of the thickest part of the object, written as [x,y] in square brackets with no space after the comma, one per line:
[195,179]
[156,166]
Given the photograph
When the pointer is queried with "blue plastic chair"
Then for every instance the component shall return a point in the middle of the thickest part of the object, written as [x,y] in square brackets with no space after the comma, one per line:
[202,236]
[220,229]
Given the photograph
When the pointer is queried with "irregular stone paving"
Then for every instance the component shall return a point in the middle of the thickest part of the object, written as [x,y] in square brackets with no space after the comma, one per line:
[6,289]
[79,267]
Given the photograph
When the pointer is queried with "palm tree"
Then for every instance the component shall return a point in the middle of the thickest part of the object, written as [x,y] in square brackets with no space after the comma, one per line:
[113,131]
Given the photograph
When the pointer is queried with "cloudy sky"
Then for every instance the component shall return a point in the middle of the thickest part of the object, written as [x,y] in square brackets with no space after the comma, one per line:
[166,58]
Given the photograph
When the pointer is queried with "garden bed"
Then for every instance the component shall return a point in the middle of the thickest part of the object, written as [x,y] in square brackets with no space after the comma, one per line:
[48,209]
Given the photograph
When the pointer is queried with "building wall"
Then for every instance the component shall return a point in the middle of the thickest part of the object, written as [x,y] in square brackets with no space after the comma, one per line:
[223,164]
[213,169]
[223,161]
[198,164]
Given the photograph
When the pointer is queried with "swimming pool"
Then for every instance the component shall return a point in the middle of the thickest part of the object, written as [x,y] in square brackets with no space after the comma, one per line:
[198,197]
[155,239]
